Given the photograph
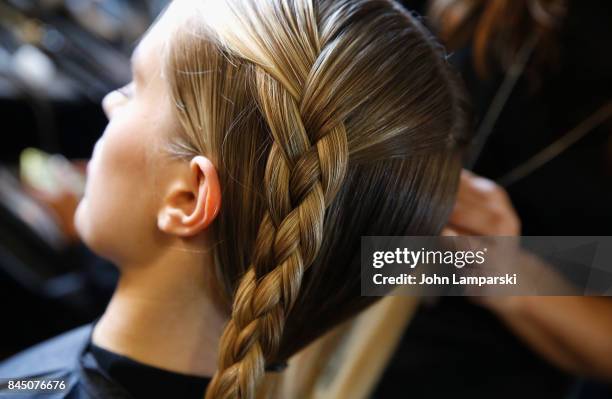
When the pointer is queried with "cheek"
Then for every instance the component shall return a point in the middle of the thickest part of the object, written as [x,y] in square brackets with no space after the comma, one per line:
[116,218]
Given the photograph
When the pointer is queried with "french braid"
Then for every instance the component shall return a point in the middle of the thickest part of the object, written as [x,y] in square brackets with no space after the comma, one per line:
[304,171]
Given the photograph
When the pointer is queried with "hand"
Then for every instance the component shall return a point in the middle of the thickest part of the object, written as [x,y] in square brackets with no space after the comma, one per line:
[482,208]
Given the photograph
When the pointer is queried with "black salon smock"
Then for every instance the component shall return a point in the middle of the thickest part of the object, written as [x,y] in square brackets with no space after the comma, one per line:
[92,372]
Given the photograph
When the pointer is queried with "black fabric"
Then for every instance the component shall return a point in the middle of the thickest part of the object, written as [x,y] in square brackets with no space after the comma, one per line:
[454,349]
[93,373]
[143,381]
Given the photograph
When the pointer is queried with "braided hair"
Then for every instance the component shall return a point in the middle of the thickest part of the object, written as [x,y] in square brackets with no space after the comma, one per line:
[327,120]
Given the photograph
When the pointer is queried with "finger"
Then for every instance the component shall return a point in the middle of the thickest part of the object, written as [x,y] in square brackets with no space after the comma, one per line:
[458,231]
[449,232]
[481,220]
[477,189]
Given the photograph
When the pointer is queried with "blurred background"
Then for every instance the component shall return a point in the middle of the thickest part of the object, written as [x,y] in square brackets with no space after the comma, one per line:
[540,76]
[58,58]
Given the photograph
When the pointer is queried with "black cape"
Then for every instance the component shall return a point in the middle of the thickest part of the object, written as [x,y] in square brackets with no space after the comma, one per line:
[65,357]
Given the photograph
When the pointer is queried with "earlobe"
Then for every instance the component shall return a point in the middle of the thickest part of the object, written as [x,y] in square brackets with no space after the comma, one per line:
[202,191]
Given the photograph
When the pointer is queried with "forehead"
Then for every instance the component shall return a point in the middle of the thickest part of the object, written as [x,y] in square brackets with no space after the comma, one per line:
[149,51]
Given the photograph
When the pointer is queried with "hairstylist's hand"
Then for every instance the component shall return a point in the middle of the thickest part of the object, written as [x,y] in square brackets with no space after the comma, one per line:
[483,208]
[572,332]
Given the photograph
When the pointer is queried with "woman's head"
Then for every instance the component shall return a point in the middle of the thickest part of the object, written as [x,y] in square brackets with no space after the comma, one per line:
[320,121]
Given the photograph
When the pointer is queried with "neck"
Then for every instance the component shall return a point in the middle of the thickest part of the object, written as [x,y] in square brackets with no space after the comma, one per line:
[163,314]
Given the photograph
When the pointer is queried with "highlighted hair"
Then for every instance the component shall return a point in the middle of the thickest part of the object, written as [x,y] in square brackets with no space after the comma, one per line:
[327,120]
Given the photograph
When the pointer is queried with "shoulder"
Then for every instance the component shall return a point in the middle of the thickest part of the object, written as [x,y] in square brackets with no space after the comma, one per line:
[56,354]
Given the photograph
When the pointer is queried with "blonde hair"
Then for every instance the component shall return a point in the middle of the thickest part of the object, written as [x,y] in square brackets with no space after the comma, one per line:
[327,120]
[348,361]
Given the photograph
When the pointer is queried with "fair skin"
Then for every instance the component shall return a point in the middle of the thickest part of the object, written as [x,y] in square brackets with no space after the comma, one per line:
[569,331]
[149,213]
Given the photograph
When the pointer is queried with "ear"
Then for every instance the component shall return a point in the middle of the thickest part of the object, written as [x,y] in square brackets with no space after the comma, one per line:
[193,200]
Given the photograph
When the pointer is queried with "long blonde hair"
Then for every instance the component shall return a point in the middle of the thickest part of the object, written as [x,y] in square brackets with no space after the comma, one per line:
[327,120]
